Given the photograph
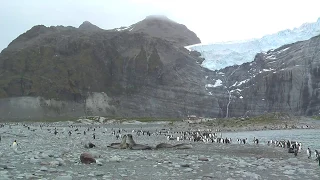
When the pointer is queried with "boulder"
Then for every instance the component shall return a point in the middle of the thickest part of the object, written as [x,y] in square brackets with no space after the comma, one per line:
[87,158]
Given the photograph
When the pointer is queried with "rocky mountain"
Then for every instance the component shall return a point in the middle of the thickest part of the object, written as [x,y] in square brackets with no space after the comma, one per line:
[87,26]
[67,71]
[286,79]
[164,28]
[221,55]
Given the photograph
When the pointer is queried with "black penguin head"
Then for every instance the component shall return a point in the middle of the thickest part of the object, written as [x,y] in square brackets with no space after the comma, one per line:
[91,145]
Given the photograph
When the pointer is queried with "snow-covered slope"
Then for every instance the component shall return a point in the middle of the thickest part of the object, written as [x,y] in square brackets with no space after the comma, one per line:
[221,55]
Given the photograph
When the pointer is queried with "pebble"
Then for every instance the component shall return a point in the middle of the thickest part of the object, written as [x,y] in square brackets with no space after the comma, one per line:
[122,164]
[54,163]
[115,159]
[202,158]
[98,173]
[185,165]
[188,169]
[43,168]
[3,166]
[68,177]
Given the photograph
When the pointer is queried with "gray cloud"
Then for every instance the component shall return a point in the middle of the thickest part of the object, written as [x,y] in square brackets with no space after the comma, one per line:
[211,20]
[19,16]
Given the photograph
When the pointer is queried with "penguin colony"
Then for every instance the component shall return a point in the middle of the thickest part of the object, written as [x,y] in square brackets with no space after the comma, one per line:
[190,135]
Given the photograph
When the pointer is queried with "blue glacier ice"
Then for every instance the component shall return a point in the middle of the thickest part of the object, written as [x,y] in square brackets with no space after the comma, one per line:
[221,55]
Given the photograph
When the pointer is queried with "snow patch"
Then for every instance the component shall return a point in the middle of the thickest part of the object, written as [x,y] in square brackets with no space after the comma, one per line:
[272,56]
[220,55]
[216,84]
[129,28]
[266,70]
[272,61]
[244,81]
[234,84]
[209,85]
[282,50]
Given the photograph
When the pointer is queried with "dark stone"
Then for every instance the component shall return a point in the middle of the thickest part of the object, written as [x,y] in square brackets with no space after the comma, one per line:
[87,158]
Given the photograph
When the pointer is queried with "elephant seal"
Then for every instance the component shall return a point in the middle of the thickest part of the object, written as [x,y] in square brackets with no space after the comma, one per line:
[175,146]
[134,146]
[122,145]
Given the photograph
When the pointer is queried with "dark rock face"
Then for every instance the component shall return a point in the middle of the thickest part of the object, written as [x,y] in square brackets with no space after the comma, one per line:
[164,28]
[65,71]
[71,72]
[281,80]
[87,26]
[87,158]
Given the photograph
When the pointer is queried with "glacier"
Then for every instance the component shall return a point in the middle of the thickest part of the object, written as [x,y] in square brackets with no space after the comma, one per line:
[220,55]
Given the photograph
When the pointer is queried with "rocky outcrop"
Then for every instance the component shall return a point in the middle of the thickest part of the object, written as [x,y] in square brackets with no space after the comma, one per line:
[164,28]
[281,80]
[87,158]
[51,72]
[87,26]
[67,72]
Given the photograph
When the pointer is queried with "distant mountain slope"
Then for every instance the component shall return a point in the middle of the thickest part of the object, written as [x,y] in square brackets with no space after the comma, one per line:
[67,71]
[87,26]
[164,28]
[221,55]
[286,79]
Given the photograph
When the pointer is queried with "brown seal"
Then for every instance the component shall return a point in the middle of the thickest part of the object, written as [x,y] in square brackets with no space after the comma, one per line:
[134,146]
[122,145]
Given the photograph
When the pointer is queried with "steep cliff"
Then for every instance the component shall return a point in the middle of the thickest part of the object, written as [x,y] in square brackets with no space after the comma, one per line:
[67,71]
[285,79]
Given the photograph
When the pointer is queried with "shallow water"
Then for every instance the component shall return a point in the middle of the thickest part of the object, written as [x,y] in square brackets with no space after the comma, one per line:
[308,137]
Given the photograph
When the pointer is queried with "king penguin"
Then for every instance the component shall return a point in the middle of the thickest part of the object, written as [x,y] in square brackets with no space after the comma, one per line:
[316,153]
[309,153]
[15,145]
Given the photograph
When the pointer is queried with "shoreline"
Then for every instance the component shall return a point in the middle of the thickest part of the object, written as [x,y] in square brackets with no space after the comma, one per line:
[215,125]
[292,124]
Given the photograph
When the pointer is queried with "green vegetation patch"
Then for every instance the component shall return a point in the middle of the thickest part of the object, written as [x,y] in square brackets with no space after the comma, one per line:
[144,119]
[269,118]
[316,117]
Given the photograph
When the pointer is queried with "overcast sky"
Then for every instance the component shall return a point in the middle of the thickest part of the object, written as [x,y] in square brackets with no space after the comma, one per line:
[211,20]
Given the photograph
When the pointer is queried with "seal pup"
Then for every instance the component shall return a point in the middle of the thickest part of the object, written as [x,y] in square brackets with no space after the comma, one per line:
[309,153]
[122,145]
[134,146]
